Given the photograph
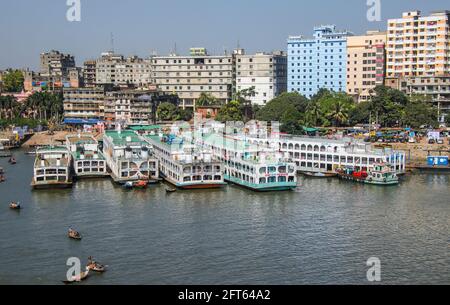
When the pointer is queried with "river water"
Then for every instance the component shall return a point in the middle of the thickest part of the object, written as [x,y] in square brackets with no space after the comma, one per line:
[322,233]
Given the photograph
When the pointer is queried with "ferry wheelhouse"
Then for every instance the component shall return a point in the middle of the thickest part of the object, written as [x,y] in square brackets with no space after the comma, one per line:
[251,166]
[185,165]
[52,168]
[128,157]
[380,174]
[87,159]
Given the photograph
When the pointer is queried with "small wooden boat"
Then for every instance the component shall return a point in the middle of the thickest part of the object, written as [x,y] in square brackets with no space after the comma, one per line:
[128,185]
[74,234]
[15,206]
[12,160]
[320,174]
[140,184]
[97,267]
[2,178]
[79,278]
[170,190]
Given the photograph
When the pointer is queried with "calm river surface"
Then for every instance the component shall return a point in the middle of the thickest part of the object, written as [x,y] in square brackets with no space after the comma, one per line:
[323,233]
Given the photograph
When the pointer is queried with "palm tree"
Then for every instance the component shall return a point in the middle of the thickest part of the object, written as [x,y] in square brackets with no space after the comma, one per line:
[314,113]
[339,109]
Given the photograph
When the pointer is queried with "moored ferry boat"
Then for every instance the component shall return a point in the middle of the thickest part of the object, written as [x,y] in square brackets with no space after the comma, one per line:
[87,159]
[128,157]
[379,174]
[185,165]
[52,168]
[257,168]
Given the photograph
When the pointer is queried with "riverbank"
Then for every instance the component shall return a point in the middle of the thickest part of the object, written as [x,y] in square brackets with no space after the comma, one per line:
[45,138]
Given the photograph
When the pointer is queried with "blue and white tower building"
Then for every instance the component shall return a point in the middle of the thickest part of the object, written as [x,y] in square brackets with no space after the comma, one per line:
[320,62]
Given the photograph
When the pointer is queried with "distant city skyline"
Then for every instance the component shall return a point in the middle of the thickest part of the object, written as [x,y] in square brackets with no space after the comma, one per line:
[141,27]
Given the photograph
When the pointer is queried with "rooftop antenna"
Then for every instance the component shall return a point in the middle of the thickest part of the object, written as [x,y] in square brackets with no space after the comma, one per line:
[112,42]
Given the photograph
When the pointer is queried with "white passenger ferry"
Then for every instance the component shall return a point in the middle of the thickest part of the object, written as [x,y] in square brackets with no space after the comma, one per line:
[87,159]
[52,168]
[184,164]
[128,157]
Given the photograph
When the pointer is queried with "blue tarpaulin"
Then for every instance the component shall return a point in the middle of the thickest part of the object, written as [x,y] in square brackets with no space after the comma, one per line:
[82,121]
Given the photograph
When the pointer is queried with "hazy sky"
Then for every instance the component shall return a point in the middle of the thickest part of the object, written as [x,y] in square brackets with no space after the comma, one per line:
[29,27]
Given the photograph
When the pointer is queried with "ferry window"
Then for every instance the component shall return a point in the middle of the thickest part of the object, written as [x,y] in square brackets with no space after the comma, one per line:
[217,177]
[323,148]
[310,148]
[262,170]
[262,180]
[217,168]
[297,146]
[207,177]
[291,146]
[284,145]
[336,158]
[282,169]
[282,179]
[303,147]
[186,179]
[343,159]
[272,169]
[350,159]
[187,170]
[316,148]
[272,179]
[291,169]
[291,179]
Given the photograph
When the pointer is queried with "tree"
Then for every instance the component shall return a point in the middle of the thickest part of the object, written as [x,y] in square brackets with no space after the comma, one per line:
[419,111]
[387,105]
[207,99]
[13,81]
[166,111]
[275,109]
[230,112]
[360,114]
[314,113]
[8,105]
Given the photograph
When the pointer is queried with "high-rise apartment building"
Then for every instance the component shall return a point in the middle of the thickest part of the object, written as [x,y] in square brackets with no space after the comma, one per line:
[56,65]
[117,70]
[267,73]
[418,45]
[365,64]
[418,56]
[319,62]
[189,76]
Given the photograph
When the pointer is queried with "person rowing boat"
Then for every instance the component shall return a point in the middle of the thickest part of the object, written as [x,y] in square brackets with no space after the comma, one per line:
[95,266]
[74,234]
[15,206]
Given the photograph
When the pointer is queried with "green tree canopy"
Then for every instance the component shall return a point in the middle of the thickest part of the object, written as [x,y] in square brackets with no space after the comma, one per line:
[166,111]
[230,112]
[13,81]
[277,108]
[419,111]
[207,99]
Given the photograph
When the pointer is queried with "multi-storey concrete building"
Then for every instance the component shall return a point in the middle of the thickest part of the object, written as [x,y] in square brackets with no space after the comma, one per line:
[320,62]
[84,105]
[418,45]
[56,65]
[130,107]
[418,56]
[189,76]
[365,64]
[265,72]
[115,69]
[89,73]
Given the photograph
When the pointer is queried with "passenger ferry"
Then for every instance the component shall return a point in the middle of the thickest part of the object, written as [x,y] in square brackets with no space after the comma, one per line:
[52,168]
[185,165]
[256,168]
[380,174]
[128,157]
[87,159]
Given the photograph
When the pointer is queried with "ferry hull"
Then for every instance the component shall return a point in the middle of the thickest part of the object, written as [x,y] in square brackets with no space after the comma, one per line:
[264,187]
[58,185]
[196,186]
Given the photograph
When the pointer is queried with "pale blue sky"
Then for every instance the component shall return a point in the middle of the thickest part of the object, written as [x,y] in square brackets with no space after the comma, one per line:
[29,27]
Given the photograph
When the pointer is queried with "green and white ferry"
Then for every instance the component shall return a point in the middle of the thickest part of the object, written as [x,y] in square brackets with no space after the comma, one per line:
[254,167]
